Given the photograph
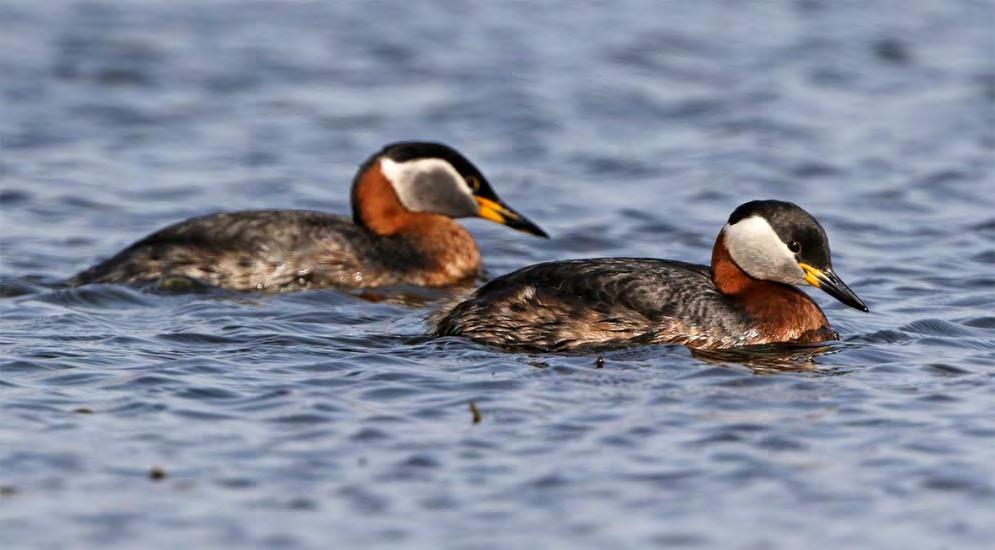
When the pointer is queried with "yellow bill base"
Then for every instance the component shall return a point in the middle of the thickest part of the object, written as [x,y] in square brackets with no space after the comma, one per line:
[490,210]
[812,275]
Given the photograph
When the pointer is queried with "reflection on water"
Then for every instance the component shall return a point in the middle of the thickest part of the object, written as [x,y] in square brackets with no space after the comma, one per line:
[771,359]
[177,415]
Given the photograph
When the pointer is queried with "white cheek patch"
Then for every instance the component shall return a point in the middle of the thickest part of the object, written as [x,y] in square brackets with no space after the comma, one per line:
[756,248]
[430,185]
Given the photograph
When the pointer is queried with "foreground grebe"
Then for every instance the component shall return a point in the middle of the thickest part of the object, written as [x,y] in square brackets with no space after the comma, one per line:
[401,232]
[746,297]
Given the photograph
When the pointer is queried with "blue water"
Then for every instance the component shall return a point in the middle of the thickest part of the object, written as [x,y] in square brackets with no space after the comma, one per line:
[323,420]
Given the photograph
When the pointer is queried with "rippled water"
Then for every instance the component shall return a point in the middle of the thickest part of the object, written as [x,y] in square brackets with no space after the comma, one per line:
[322,420]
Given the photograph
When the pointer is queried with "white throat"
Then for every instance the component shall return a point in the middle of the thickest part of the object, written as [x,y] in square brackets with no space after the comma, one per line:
[757,250]
[430,185]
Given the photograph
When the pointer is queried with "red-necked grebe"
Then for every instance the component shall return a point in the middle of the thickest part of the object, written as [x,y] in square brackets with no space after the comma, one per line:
[747,297]
[404,199]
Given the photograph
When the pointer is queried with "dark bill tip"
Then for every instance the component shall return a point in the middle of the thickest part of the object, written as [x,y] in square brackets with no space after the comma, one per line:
[501,213]
[832,285]
[523,224]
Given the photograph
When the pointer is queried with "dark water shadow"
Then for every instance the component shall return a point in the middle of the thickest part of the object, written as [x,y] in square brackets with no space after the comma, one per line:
[759,359]
[776,358]
[409,296]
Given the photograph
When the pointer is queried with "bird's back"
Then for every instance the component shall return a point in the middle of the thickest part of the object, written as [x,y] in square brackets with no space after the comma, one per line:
[599,303]
[262,249]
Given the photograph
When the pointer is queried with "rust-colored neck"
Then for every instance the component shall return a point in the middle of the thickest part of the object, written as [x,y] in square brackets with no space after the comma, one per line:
[449,252]
[726,274]
[377,206]
[782,312]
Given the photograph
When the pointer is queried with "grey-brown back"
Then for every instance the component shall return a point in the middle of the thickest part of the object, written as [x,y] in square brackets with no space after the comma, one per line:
[260,250]
[599,303]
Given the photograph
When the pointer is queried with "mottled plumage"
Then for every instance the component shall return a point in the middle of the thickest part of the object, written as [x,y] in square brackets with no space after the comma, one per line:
[600,303]
[276,250]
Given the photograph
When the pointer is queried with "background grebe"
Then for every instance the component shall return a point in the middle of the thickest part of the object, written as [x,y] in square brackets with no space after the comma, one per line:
[402,232]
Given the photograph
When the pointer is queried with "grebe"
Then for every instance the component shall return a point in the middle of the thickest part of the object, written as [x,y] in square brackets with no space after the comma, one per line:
[404,199]
[745,298]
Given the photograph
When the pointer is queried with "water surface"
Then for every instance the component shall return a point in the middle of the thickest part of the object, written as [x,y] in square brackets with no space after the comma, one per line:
[323,420]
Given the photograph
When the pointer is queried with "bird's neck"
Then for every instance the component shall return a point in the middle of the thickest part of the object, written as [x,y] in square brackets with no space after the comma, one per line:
[781,312]
[447,252]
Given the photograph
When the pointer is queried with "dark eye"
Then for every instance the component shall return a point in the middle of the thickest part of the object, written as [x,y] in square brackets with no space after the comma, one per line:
[473,182]
[795,247]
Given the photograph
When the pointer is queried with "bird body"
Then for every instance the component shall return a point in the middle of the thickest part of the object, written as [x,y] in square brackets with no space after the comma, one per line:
[402,231]
[746,297]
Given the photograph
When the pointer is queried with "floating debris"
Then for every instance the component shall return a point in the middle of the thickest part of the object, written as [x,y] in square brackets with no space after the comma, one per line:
[301,503]
[892,50]
[83,410]
[599,363]
[157,474]
[7,490]
[475,412]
